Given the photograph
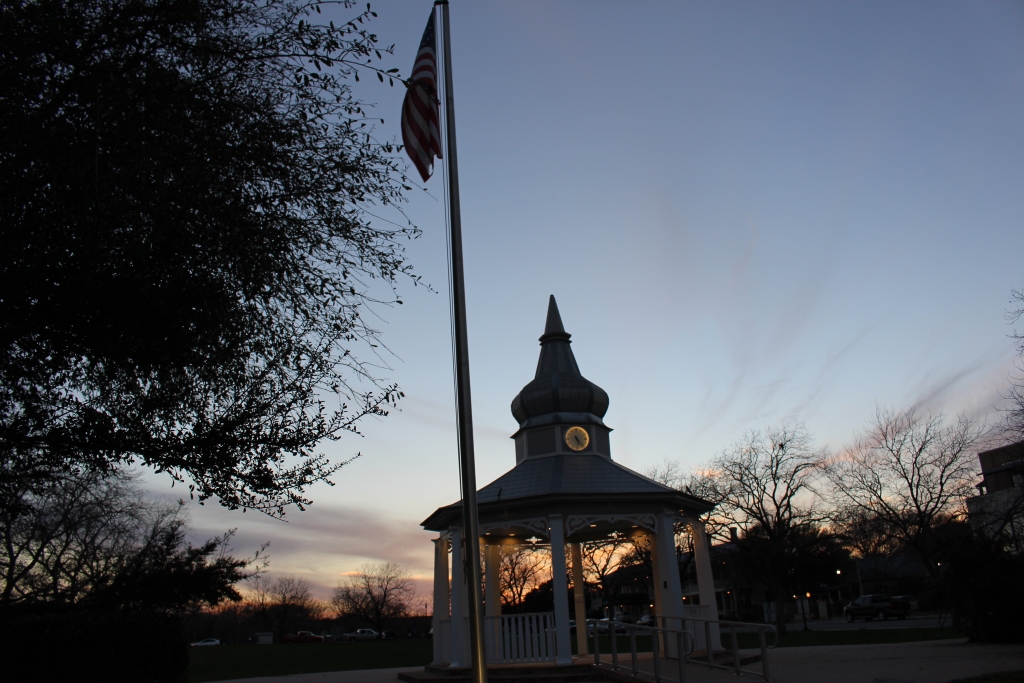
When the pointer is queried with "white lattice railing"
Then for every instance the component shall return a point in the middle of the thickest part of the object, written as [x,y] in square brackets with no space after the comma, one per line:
[520,638]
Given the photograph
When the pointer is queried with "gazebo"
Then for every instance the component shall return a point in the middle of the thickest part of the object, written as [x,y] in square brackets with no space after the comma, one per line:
[564,489]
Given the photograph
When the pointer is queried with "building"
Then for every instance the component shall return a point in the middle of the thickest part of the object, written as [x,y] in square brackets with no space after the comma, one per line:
[998,510]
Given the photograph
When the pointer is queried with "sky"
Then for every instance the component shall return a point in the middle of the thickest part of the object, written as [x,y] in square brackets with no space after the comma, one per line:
[749,213]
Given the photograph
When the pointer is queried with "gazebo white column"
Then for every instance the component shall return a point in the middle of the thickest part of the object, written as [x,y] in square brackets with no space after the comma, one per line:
[668,579]
[705,578]
[441,595]
[580,598]
[460,605]
[650,542]
[492,580]
[560,590]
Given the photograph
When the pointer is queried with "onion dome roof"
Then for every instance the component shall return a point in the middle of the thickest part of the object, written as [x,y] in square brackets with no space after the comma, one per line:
[558,386]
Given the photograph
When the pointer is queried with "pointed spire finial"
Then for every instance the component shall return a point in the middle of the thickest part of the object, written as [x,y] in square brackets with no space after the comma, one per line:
[557,386]
[553,326]
[554,322]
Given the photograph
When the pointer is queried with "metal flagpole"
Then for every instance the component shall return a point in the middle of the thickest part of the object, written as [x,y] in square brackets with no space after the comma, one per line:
[467,459]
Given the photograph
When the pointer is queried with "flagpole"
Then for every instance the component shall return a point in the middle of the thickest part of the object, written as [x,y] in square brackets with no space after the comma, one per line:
[467,458]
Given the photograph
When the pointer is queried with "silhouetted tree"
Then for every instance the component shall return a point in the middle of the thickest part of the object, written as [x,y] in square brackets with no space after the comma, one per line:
[284,603]
[700,483]
[377,593]
[521,570]
[982,578]
[907,478]
[603,558]
[99,544]
[865,534]
[87,560]
[188,192]
[765,486]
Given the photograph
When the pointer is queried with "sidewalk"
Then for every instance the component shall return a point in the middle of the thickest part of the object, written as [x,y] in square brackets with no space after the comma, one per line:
[934,661]
[937,661]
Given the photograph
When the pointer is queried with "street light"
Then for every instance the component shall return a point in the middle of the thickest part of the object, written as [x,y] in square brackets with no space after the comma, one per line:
[806,604]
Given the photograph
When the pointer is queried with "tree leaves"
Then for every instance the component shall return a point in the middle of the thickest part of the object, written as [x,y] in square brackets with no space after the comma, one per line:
[187,242]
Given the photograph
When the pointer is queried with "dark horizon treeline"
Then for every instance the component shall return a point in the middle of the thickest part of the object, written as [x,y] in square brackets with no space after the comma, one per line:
[238,623]
[92,562]
[89,561]
[379,596]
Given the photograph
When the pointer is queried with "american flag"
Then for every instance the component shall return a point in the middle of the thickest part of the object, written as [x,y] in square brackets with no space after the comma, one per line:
[420,115]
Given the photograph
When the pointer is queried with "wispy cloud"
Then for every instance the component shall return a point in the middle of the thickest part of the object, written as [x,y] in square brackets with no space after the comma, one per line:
[323,544]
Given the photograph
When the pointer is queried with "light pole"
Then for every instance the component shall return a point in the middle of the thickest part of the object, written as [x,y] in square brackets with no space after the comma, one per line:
[807,604]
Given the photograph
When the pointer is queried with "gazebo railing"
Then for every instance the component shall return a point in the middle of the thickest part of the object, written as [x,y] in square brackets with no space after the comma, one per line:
[520,638]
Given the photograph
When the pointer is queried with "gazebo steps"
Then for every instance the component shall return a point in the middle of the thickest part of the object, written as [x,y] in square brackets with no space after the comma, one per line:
[512,674]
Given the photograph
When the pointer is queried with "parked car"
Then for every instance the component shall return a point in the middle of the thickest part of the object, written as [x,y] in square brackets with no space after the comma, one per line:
[910,600]
[207,642]
[361,634]
[877,606]
[604,626]
[303,637]
[646,620]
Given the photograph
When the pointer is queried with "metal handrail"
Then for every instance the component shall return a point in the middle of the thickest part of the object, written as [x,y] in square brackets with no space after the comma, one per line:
[734,628]
[682,639]
[749,625]
[683,636]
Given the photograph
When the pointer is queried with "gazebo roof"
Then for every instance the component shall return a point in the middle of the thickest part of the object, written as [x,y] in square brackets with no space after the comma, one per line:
[559,474]
[570,484]
[557,386]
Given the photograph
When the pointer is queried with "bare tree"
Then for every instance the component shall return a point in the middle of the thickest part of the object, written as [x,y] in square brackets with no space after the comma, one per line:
[700,483]
[765,485]
[522,569]
[767,479]
[377,593]
[59,540]
[669,473]
[284,603]
[93,539]
[604,557]
[909,475]
[864,534]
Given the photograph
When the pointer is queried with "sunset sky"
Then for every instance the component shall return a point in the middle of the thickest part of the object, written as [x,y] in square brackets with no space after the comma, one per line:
[748,212]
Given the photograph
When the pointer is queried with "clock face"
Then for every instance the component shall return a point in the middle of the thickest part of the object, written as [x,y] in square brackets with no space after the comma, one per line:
[577,438]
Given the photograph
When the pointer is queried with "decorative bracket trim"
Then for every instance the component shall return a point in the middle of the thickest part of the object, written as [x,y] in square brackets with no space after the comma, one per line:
[535,524]
[576,523]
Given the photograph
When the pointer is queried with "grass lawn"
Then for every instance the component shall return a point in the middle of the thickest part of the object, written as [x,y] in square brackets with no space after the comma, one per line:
[245,661]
